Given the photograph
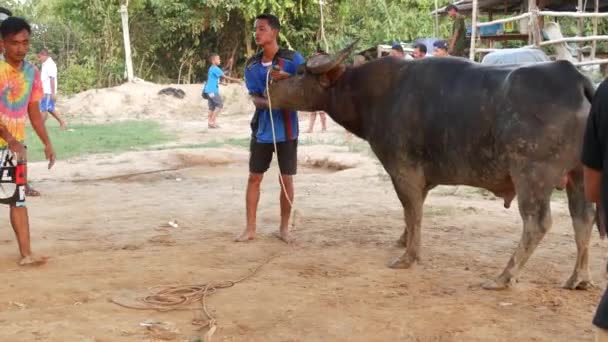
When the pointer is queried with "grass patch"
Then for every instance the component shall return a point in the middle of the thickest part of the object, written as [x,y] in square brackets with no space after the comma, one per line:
[103,138]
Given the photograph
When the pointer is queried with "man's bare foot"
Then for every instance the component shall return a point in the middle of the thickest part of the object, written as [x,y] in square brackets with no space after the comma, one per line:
[63,125]
[33,260]
[284,236]
[246,236]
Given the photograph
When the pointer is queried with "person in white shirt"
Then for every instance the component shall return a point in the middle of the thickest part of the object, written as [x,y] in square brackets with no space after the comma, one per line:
[48,75]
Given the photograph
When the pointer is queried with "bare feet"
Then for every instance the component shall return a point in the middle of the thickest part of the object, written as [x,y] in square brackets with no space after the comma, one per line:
[284,236]
[30,192]
[247,235]
[33,260]
[63,125]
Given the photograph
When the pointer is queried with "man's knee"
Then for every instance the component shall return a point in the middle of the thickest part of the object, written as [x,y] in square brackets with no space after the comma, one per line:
[255,179]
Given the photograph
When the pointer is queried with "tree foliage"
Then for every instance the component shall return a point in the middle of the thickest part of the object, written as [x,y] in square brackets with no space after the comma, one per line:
[171,39]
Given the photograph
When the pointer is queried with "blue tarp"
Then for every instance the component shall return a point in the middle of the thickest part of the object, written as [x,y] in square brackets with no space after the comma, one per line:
[515,56]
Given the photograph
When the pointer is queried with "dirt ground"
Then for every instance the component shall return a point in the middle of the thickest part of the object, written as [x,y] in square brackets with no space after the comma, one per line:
[103,221]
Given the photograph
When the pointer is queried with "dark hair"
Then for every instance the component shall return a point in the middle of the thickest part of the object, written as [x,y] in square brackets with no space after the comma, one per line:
[43,52]
[212,56]
[451,7]
[14,25]
[420,47]
[271,19]
[441,44]
[320,51]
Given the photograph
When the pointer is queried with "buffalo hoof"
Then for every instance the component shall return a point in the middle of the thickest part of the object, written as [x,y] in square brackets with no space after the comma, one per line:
[401,263]
[495,285]
[578,283]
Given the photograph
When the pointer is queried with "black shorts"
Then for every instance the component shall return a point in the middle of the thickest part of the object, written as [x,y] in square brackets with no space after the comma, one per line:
[260,156]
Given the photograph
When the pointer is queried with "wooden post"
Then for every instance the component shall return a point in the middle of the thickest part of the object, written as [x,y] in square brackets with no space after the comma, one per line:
[594,46]
[473,30]
[580,30]
[125,33]
[322,27]
[534,29]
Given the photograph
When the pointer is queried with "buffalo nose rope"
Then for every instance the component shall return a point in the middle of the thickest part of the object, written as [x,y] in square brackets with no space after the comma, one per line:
[274,141]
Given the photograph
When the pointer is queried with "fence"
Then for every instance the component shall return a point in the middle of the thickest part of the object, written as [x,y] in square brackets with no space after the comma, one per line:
[534,30]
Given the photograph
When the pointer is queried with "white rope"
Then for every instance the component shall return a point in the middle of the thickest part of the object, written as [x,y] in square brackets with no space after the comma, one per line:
[274,141]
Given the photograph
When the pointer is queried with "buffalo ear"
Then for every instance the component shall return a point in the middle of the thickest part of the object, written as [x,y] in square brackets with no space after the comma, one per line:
[329,78]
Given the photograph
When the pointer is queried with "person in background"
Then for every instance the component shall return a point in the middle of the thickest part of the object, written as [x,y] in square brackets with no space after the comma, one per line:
[280,63]
[211,91]
[321,114]
[594,158]
[48,75]
[5,13]
[21,93]
[457,43]
[419,51]
[441,48]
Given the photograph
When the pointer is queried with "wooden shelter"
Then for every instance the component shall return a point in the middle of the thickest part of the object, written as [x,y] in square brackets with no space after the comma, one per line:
[530,14]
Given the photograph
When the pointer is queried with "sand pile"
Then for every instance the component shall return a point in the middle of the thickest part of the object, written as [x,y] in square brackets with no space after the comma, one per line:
[140,101]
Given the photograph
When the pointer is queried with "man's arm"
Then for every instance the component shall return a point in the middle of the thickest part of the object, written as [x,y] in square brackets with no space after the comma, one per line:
[232,79]
[593,182]
[593,151]
[13,144]
[33,110]
[259,102]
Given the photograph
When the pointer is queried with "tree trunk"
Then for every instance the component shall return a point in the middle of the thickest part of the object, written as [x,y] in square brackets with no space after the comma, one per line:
[247,38]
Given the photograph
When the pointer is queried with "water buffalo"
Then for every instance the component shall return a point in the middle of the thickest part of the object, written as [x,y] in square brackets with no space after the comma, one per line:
[449,121]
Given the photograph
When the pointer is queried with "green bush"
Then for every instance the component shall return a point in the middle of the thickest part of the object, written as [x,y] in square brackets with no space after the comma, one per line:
[77,77]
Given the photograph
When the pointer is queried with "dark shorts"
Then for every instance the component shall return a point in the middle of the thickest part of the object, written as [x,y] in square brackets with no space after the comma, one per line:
[12,179]
[260,156]
[214,102]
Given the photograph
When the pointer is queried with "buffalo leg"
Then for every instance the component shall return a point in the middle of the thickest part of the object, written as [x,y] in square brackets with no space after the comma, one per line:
[582,214]
[402,242]
[411,192]
[534,197]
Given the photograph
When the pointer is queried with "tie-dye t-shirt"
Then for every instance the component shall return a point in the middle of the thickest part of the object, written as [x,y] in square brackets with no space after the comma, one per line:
[18,88]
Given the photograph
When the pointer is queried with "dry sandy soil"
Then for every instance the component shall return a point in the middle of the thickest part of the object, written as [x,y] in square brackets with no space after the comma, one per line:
[103,220]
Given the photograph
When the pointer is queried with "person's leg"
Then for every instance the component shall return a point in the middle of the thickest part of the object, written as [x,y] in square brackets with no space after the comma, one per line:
[311,125]
[21,226]
[44,104]
[31,192]
[252,199]
[260,157]
[57,116]
[48,105]
[218,108]
[323,117]
[211,106]
[288,163]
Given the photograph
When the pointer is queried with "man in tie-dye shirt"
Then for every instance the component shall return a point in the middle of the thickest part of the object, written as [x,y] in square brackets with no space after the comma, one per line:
[20,94]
